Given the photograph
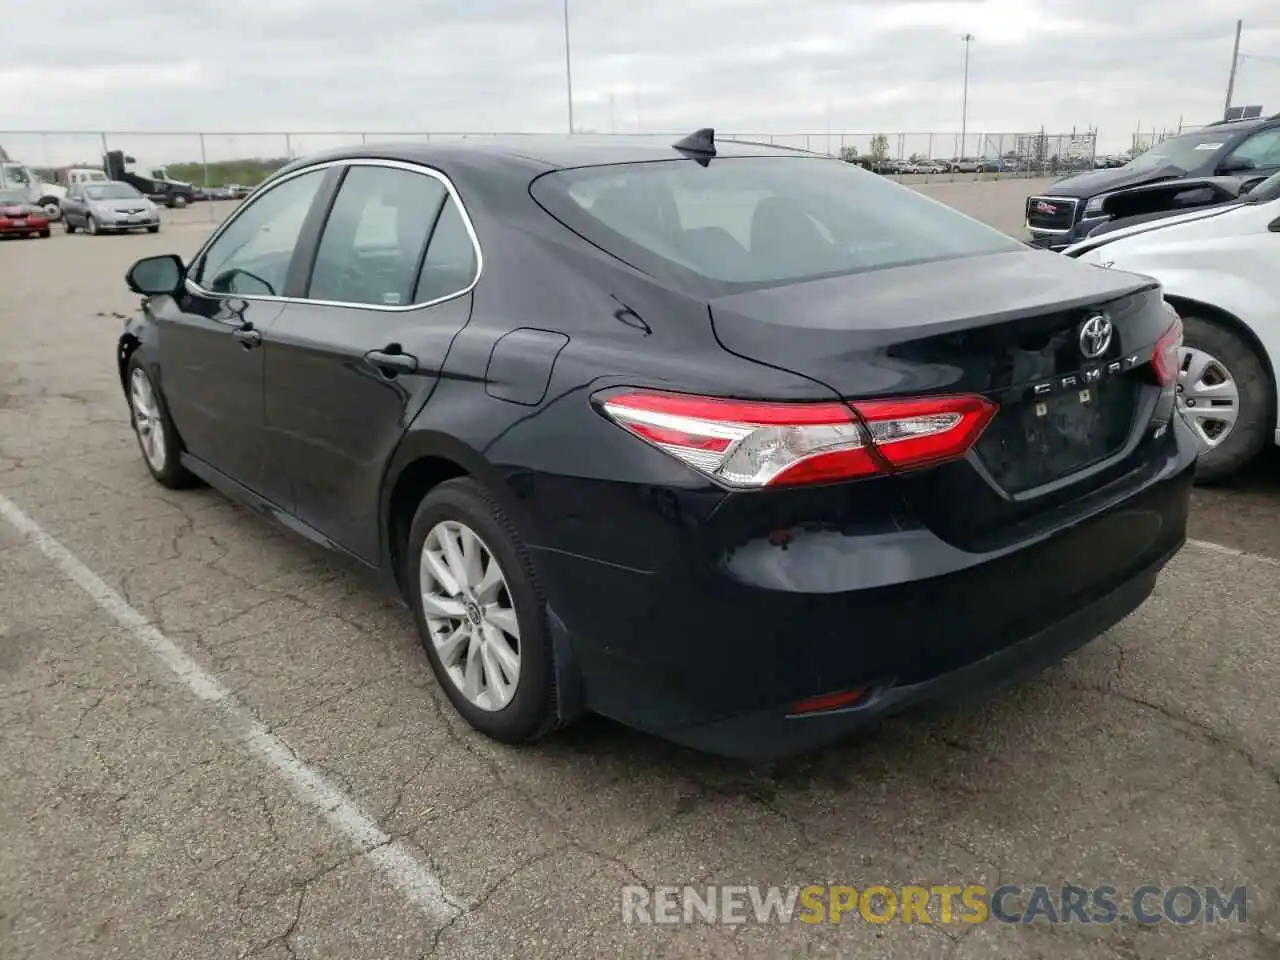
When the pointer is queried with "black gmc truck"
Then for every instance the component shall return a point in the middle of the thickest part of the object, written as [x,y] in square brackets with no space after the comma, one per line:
[1073,207]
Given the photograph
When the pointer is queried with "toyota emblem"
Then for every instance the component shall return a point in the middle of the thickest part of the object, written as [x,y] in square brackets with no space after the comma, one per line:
[1095,336]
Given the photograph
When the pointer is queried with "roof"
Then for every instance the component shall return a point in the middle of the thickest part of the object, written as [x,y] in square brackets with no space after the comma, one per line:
[545,151]
[1249,124]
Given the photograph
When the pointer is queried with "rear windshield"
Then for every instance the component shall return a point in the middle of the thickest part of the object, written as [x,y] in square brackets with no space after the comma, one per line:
[743,222]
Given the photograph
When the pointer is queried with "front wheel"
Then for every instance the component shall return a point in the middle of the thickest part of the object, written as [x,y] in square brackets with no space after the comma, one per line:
[157,438]
[480,613]
[92,227]
[1225,395]
[154,229]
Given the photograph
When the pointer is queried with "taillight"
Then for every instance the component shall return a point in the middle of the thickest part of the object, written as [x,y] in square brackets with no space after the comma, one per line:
[1166,358]
[753,444]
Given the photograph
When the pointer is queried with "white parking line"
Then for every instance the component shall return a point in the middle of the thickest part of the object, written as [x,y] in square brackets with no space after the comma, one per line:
[1233,552]
[396,861]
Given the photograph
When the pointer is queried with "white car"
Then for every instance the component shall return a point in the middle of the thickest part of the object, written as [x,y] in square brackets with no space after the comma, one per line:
[1220,269]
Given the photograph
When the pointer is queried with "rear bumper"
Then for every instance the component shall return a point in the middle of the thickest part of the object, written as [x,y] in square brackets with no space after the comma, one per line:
[30,226]
[770,734]
[714,648]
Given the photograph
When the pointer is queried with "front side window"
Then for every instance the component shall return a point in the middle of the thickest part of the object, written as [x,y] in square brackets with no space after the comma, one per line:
[1262,150]
[375,239]
[755,221]
[251,256]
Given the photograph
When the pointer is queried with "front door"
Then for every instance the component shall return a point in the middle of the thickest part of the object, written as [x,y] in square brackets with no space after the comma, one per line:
[211,336]
[348,369]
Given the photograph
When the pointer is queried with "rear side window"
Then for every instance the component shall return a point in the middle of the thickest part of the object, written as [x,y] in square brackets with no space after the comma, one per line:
[450,263]
[375,236]
[758,221]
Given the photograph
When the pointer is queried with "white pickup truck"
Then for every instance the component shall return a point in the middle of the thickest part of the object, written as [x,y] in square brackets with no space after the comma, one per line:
[48,194]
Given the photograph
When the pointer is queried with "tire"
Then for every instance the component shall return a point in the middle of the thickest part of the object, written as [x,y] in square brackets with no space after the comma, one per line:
[530,712]
[67,225]
[178,202]
[155,229]
[1249,434]
[91,226]
[44,234]
[52,208]
[155,422]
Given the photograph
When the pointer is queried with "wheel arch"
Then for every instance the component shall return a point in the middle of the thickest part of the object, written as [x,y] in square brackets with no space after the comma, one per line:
[423,461]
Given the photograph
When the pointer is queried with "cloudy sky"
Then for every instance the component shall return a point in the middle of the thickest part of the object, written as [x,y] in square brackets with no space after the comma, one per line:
[752,66]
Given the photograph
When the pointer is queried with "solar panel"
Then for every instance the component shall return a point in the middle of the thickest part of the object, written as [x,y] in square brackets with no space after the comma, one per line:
[1234,113]
[1252,112]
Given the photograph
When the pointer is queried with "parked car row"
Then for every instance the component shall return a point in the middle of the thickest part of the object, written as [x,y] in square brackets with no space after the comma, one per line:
[891,166]
[652,431]
[1200,213]
[230,191]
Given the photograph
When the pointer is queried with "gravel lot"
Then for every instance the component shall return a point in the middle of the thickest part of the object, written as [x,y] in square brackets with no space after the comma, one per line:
[221,742]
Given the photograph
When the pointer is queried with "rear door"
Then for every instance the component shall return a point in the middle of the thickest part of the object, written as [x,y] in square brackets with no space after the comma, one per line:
[350,366]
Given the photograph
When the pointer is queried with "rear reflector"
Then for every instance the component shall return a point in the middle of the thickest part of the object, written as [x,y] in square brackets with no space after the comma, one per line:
[1166,359]
[752,444]
[829,701]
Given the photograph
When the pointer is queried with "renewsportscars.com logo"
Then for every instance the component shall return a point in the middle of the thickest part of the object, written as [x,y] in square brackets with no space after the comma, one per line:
[944,904]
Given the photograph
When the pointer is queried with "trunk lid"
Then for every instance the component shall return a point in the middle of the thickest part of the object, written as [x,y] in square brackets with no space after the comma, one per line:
[1006,326]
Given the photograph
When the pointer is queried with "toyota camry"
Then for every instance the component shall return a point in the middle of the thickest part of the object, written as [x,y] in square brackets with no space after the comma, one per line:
[739,445]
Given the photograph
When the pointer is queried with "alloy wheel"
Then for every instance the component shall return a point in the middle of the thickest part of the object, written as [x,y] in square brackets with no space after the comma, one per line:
[147,420]
[470,615]
[1207,396]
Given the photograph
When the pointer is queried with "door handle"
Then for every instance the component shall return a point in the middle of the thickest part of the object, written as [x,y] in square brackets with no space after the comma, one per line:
[392,362]
[248,337]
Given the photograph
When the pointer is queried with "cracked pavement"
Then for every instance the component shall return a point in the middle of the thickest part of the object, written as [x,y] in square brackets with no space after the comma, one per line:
[134,821]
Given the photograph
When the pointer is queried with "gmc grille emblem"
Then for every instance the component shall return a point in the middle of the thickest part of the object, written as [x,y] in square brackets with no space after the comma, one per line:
[1042,207]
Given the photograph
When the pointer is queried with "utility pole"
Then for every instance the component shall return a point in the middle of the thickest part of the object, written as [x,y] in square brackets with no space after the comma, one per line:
[568,70]
[1235,62]
[964,105]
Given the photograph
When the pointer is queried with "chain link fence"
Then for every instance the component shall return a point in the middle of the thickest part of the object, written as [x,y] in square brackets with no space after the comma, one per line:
[221,160]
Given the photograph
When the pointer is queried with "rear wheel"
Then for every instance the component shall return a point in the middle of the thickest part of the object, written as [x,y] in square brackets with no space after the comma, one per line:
[1225,395]
[67,225]
[45,232]
[480,613]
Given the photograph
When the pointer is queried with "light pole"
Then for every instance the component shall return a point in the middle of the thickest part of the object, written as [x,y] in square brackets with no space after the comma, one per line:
[964,104]
[568,70]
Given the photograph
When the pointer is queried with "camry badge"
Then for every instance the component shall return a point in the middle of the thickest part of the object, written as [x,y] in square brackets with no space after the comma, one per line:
[1095,336]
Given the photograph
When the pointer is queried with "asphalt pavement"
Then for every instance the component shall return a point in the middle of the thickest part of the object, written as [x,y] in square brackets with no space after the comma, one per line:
[220,741]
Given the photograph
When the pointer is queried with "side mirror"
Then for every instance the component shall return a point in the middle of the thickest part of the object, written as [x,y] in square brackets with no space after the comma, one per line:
[156,276]
[1236,164]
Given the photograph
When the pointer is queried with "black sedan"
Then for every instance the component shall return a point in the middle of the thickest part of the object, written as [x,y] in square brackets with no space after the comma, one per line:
[738,445]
